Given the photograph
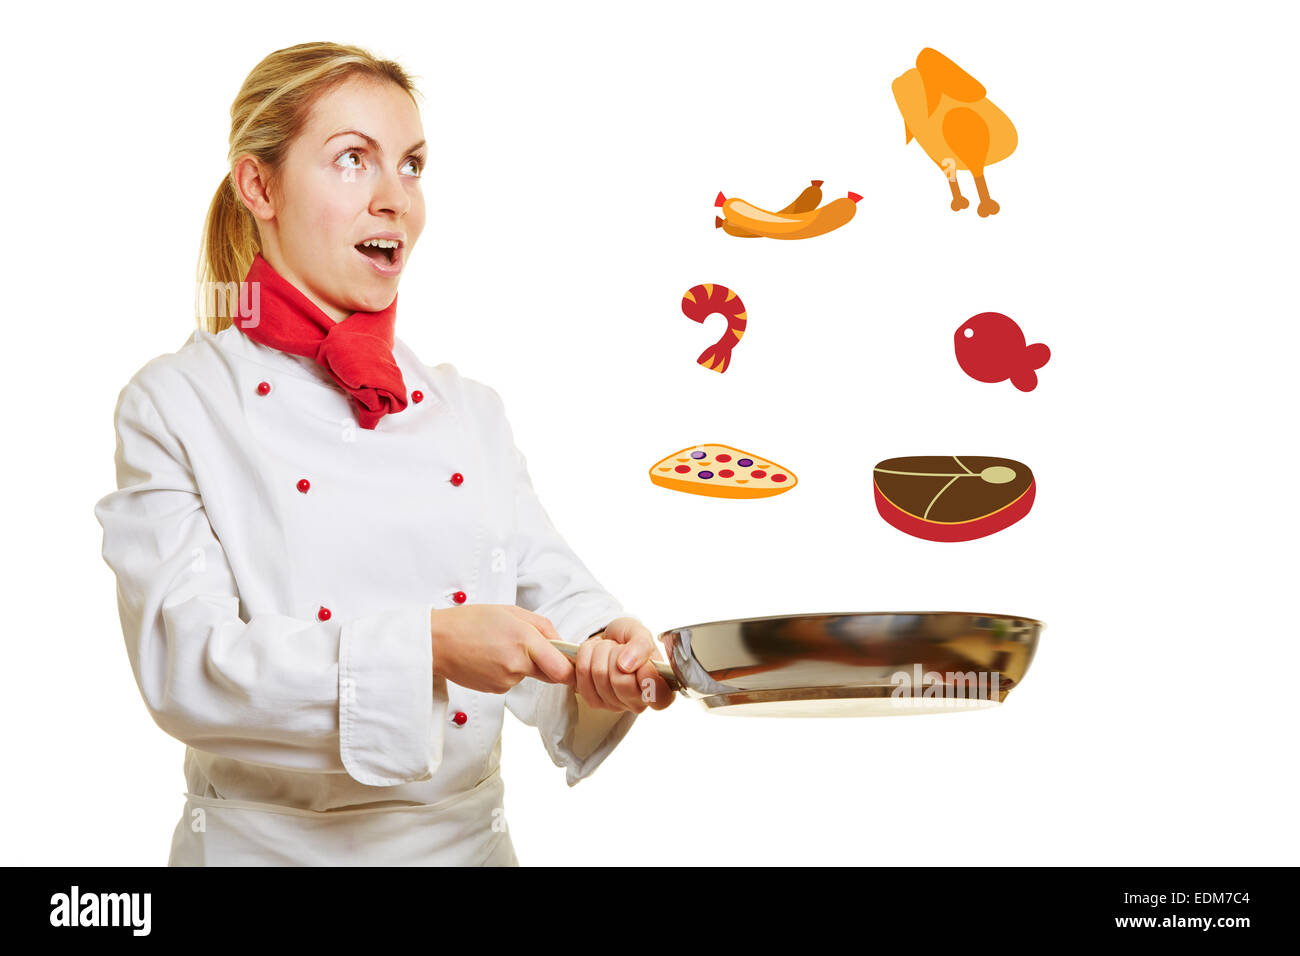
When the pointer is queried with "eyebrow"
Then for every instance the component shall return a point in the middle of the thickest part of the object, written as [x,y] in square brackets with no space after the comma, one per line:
[374,143]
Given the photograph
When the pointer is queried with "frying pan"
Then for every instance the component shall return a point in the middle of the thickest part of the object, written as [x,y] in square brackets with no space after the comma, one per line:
[845,665]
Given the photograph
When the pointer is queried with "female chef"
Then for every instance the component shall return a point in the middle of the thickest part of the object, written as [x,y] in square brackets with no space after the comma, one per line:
[334,575]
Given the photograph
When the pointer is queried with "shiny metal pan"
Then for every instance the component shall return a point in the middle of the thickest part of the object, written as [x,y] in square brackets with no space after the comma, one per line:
[848,665]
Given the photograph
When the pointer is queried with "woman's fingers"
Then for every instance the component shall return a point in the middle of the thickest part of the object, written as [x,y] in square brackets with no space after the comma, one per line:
[538,621]
[637,643]
[625,683]
[636,651]
[535,634]
[586,687]
[603,672]
[620,689]
[614,671]
[655,692]
[549,664]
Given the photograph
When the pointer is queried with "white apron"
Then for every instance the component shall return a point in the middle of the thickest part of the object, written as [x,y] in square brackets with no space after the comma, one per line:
[214,832]
[276,566]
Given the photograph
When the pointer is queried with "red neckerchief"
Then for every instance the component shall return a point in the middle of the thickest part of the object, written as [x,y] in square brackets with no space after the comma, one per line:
[357,352]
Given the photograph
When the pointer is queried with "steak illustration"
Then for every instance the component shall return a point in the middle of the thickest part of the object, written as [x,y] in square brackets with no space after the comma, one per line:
[951,497]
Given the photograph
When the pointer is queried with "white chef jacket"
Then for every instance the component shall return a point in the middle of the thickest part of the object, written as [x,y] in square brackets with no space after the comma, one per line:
[280,628]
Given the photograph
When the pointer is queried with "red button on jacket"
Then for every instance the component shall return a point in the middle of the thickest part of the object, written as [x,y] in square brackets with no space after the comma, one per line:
[303,485]
[417,396]
[323,613]
[457,479]
[460,718]
[459,597]
[263,388]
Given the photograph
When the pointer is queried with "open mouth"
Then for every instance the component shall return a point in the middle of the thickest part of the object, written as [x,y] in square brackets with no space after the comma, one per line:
[384,252]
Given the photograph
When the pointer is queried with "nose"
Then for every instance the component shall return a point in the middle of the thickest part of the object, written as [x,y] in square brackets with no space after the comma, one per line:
[389,197]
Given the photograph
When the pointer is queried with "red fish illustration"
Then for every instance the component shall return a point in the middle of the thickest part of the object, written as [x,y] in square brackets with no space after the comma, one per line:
[991,348]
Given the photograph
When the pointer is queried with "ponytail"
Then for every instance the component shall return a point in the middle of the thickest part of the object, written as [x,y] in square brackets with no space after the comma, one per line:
[230,242]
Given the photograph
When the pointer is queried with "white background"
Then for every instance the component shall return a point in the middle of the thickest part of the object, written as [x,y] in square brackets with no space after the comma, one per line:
[1146,235]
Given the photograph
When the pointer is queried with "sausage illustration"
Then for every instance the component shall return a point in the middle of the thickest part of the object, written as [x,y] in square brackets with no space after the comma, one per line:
[785,225]
[806,201]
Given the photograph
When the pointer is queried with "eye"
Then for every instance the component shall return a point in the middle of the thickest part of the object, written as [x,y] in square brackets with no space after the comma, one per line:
[348,152]
[419,165]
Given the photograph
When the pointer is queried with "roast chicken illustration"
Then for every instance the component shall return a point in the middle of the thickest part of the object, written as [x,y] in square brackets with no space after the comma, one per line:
[947,112]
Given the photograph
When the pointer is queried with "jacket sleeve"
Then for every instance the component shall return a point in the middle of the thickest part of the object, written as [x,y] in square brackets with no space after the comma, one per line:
[553,582]
[355,696]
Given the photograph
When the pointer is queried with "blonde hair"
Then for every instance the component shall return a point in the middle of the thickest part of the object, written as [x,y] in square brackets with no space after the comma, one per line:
[270,110]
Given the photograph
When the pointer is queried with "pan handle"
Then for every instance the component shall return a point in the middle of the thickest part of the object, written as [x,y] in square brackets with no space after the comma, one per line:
[665,669]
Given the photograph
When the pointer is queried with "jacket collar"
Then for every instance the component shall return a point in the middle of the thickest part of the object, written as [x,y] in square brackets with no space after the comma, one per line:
[236,342]
[232,341]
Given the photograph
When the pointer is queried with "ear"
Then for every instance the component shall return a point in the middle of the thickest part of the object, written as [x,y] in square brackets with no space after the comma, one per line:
[251,184]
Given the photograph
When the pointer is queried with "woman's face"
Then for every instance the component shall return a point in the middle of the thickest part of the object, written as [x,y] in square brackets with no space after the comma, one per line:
[352,174]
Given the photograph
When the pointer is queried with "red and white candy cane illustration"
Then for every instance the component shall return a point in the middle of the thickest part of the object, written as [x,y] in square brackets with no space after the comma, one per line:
[702,301]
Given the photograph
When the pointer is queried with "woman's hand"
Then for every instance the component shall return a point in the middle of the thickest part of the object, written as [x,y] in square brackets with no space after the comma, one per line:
[615,670]
[492,647]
